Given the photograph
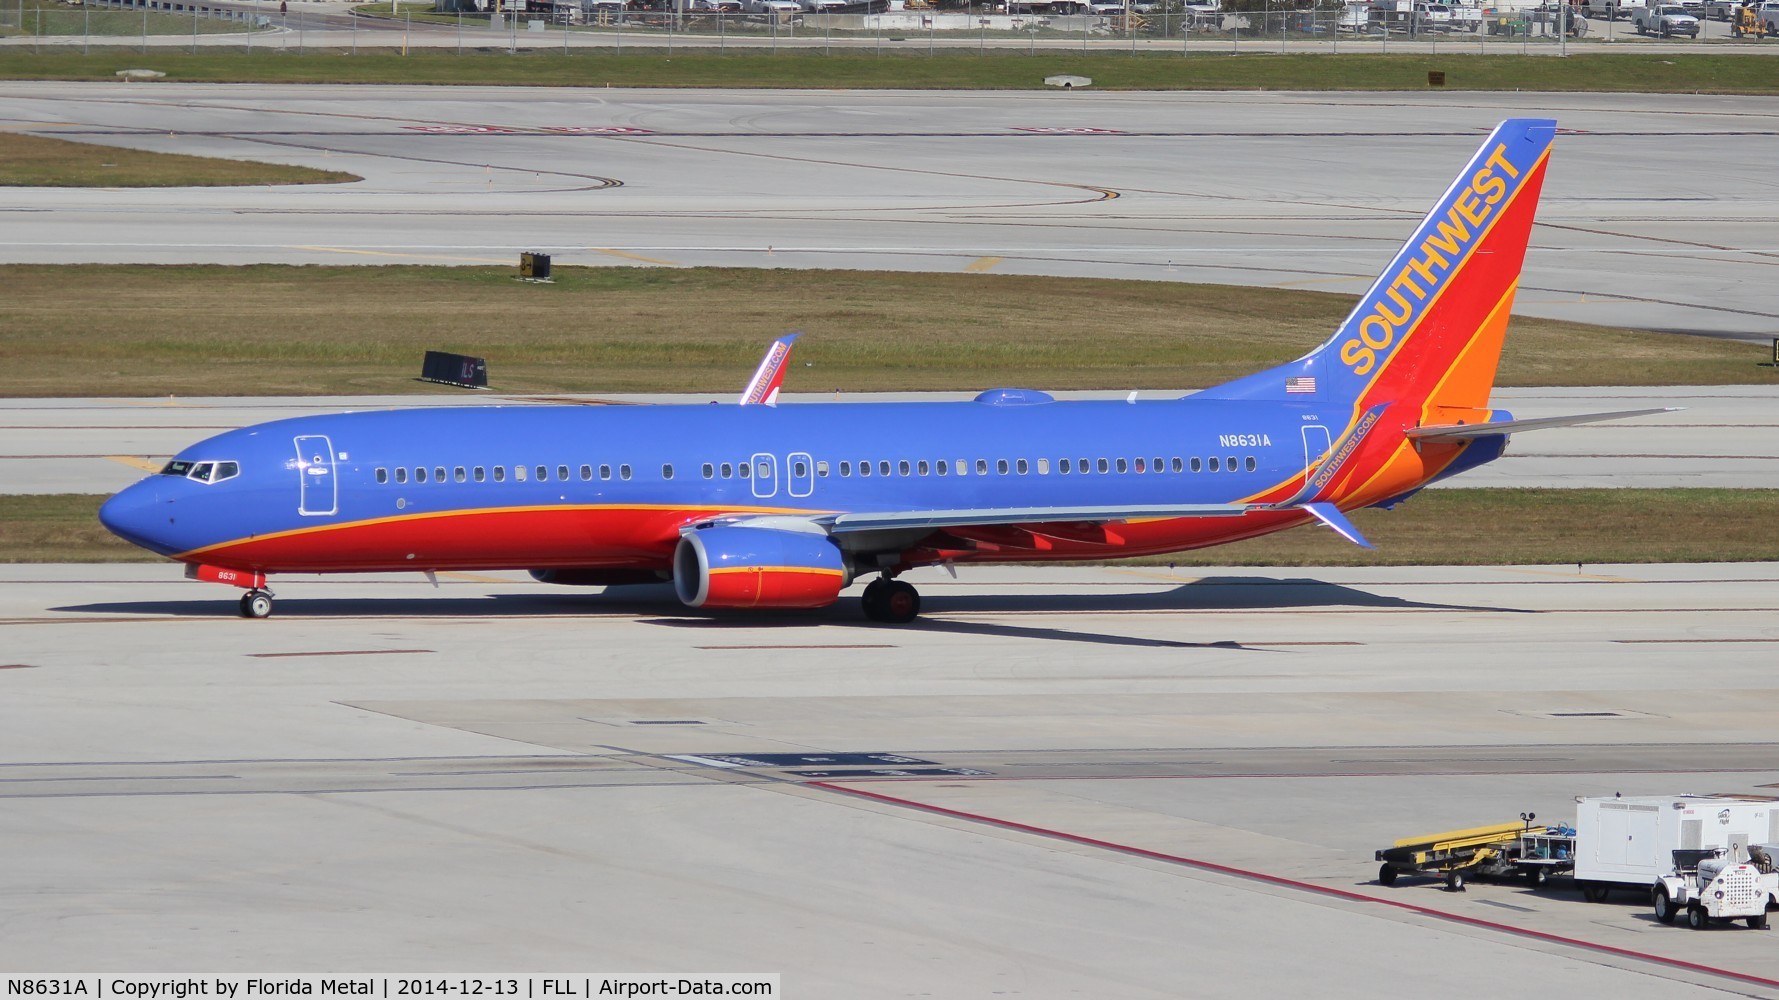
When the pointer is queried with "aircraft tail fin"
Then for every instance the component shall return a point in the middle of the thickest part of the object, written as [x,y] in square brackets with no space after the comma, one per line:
[1429,331]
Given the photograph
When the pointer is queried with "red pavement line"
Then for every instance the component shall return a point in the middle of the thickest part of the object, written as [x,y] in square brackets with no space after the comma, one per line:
[1290,883]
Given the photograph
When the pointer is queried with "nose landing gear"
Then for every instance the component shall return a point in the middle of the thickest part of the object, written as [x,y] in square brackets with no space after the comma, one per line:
[890,601]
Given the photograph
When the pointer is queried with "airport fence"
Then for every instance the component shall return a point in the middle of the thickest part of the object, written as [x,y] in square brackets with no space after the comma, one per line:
[1265,26]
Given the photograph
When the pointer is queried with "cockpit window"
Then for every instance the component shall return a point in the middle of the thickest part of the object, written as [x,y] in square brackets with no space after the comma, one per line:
[202,472]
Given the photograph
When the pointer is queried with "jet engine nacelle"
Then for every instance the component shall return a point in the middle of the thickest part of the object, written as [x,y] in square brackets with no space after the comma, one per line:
[743,567]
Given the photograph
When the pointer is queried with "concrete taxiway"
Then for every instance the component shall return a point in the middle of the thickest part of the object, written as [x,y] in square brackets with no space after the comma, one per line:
[1727,436]
[1657,212]
[1061,782]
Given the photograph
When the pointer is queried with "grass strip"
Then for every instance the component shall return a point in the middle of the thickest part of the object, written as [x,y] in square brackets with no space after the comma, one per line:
[40,161]
[290,330]
[1447,527]
[903,68]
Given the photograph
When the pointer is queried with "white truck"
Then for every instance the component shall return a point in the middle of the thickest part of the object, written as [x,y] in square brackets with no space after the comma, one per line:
[1628,842]
[1666,20]
[1710,886]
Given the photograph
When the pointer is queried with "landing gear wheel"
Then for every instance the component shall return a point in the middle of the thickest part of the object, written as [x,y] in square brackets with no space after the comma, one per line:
[1454,880]
[256,604]
[1696,919]
[1386,875]
[891,602]
[1664,905]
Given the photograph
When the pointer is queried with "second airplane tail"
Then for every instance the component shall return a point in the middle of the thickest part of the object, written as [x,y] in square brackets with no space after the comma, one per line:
[1429,331]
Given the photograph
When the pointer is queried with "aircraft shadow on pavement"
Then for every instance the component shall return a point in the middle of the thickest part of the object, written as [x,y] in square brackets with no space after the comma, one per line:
[1244,593]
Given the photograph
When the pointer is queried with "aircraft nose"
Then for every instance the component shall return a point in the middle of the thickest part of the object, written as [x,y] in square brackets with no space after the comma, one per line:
[138,515]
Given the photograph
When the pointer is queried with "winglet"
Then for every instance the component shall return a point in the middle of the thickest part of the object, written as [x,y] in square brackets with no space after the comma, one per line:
[762,390]
[1330,515]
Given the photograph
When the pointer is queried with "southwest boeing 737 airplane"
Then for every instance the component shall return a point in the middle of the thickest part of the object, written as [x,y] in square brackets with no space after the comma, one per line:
[764,506]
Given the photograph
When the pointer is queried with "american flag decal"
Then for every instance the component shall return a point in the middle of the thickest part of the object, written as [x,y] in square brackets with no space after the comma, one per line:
[1302,383]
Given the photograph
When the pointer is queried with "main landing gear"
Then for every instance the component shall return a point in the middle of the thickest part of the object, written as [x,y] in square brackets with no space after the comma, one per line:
[256,604]
[890,601]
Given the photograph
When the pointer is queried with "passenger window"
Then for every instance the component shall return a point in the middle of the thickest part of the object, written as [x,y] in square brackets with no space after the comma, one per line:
[543,473]
[667,470]
[1104,466]
[728,470]
[902,467]
[623,472]
[745,468]
[1195,465]
[764,471]
[1063,466]
[1043,467]
[1123,466]
[982,467]
[846,468]
[420,474]
[481,474]
[708,470]
[401,475]
[1251,464]
[883,468]
[1156,467]
[500,473]
[518,473]
[460,474]
[1231,465]
[1141,466]
[382,475]
[562,473]
[821,469]
[1023,466]
[942,467]
[1178,466]
[962,467]
[922,468]
[1214,463]
[799,468]
[864,469]
[438,473]
[586,473]
[1001,466]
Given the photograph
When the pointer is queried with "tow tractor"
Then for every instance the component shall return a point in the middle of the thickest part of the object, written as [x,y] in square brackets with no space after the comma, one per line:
[1498,851]
[1711,885]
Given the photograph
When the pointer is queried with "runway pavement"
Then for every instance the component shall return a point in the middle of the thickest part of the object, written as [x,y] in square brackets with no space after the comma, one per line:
[1657,213]
[1062,782]
[1728,436]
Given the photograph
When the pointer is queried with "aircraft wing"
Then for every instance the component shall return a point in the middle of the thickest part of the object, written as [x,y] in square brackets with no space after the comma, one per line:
[762,389]
[964,517]
[1459,432]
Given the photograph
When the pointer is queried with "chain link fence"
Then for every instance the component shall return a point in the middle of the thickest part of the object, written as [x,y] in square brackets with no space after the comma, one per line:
[609,25]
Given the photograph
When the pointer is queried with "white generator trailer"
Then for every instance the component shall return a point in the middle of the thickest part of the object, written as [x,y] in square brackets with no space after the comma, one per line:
[1711,886]
[1628,842]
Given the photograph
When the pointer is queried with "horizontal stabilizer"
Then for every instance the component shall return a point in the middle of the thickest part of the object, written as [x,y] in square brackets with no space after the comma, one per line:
[1460,432]
[874,521]
[1330,515]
